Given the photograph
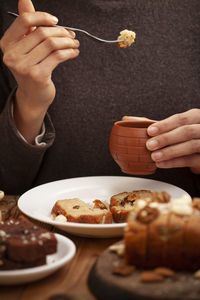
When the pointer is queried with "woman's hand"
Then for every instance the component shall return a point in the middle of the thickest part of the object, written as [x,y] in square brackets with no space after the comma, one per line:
[32,49]
[175,141]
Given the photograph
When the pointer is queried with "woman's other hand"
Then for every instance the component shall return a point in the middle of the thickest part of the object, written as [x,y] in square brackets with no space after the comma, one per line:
[175,141]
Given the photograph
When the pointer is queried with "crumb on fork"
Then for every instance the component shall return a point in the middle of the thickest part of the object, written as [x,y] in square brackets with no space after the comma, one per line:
[127,37]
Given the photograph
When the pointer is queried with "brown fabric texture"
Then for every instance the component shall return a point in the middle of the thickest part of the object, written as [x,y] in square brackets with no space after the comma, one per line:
[158,76]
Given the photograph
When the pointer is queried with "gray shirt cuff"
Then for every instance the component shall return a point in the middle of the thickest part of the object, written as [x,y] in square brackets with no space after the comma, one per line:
[38,138]
[47,134]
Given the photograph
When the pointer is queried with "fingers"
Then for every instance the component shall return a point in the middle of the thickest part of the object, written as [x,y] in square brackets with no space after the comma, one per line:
[178,135]
[25,6]
[178,150]
[41,72]
[54,59]
[49,46]
[22,24]
[32,49]
[192,161]
[41,34]
[176,141]
[54,50]
[189,117]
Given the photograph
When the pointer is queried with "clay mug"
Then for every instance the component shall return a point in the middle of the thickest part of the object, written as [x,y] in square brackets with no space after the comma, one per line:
[128,147]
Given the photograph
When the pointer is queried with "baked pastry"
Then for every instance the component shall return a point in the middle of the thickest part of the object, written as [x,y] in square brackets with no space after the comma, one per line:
[127,37]
[76,210]
[24,244]
[164,234]
[121,204]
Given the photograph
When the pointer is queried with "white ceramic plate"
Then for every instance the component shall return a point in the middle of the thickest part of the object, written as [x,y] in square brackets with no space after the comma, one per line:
[65,252]
[38,202]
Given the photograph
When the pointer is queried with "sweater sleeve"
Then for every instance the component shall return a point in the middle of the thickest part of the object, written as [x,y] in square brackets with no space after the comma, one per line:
[19,161]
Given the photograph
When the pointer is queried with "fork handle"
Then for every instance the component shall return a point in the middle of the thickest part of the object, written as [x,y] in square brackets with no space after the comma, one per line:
[76,29]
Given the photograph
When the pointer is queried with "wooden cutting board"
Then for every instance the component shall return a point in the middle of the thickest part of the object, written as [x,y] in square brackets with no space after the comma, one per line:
[107,286]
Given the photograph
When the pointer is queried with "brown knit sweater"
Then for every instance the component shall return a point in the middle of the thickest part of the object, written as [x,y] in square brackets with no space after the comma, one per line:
[156,77]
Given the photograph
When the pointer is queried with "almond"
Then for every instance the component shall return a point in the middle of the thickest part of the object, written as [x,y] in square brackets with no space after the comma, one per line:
[166,272]
[161,197]
[123,270]
[119,249]
[150,276]
[147,214]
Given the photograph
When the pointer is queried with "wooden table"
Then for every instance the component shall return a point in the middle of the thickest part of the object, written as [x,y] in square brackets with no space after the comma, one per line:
[69,282]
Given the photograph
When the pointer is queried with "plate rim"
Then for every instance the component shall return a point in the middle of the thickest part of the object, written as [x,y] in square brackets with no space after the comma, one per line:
[51,267]
[86,225]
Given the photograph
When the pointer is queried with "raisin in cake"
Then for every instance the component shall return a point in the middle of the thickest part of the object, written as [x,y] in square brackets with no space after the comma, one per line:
[76,210]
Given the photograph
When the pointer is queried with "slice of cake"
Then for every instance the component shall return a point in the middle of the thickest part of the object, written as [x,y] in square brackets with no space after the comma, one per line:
[78,211]
[24,244]
[156,239]
[191,237]
[175,241]
[135,239]
[121,204]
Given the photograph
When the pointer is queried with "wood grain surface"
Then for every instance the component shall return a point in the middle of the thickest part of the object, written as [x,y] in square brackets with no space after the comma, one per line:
[106,285]
[69,282]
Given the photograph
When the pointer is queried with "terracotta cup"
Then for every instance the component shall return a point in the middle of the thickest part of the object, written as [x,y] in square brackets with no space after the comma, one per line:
[128,147]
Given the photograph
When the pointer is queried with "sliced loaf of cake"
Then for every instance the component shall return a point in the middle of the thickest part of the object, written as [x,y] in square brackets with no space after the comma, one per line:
[164,234]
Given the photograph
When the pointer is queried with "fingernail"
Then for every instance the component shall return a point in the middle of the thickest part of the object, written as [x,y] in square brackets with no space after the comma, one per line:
[156,156]
[160,164]
[151,145]
[72,34]
[152,130]
[76,51]
[77,43]
[55,19]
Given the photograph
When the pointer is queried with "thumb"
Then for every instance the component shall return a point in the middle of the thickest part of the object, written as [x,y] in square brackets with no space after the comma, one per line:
[25,6]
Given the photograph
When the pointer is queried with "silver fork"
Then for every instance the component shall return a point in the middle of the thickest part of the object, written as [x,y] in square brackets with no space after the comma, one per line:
[77,29]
